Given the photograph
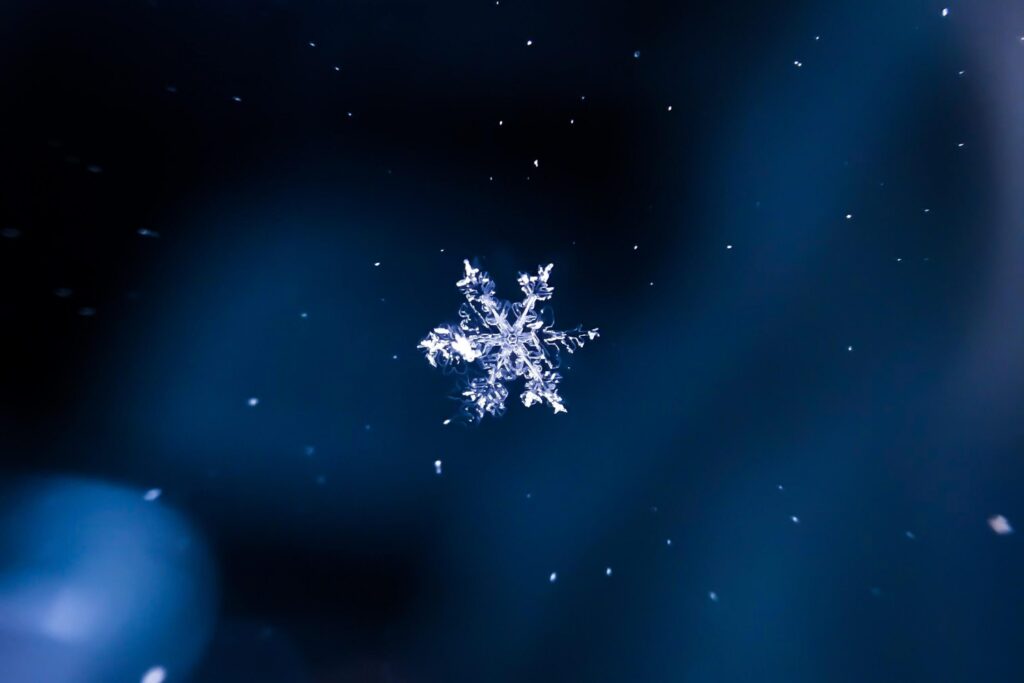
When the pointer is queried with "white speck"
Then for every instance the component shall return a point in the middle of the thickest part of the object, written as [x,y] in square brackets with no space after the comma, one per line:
[728,246]
[960,144]
[312,44]
[151,495]
[636,54]
[670,107]
[572,121]
[447,422]
[849,348]
[437,466]
[817,37]
[635,247]
[536,163]
[394,356]
[529,43]
[927,210]
[146,232]
[668,541]
[651,284]
[945,11]
[376,264]
[303,315]
[607,571]
[910,535]
[849,216]
[337,68]
[501,122]
[1000,525]
[553,577]
[236,98]
[797,63]
[155,675]
[253,402]
[795,519]
[961,72]
[899,259]
[713,595]
[781,488]
[349,114]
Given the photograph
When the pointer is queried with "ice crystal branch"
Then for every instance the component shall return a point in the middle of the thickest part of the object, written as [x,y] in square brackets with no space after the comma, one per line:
[496,342]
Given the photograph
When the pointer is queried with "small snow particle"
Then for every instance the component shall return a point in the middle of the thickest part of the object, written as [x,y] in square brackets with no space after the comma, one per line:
[794,519]
[728,246]
[337,68]
[437,466]
[635,247]
[607,571]
[151,495]
[945,11]
[1000,525]
[312,44]
[849,348]
[849,216]
[670,107]
[797,63]
[253,402]
[636,54]
[553,577]
[236,98]
[668,541]
[536,163]
[303,315]
[529,43]
[155,675]
[713,595]
[447,422]
[146,232]
[376,264]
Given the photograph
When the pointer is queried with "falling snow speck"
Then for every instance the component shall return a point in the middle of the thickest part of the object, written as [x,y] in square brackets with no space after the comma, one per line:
[945,11]
[608,571]
[146,232]
[236,98]
[553,577]
[151,495]
[1000,525]
[636,54]
[794,519]
[253,402]
[437,467]
[156,674]
[713,596]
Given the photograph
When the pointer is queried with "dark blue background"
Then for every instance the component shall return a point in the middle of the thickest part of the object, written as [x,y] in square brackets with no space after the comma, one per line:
[721,373]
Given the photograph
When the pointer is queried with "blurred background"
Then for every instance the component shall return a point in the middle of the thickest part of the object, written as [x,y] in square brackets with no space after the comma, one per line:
[793,455]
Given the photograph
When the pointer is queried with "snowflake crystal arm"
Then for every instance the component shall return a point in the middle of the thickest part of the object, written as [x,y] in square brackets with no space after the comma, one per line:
[497,342]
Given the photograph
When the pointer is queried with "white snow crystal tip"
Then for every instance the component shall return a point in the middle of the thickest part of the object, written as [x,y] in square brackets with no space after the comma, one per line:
[1000,525]
[157,674]
[496,342]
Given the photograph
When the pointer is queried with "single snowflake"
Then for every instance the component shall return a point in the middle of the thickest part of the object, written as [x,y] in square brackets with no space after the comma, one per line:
[496,342]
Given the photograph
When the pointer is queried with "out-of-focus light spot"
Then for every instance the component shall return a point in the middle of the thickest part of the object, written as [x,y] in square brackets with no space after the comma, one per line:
[437,466]
[636,54]
[713,596]
[1000,525]
[849,216]
[87,311]
[607,571]
[151,495]
[536,163]
[553,577]
[253,402]
[155,675]
[945,11]
[529,43]
[794,519]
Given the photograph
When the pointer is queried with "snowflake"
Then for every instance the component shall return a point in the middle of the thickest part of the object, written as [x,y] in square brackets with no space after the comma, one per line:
[496,342]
